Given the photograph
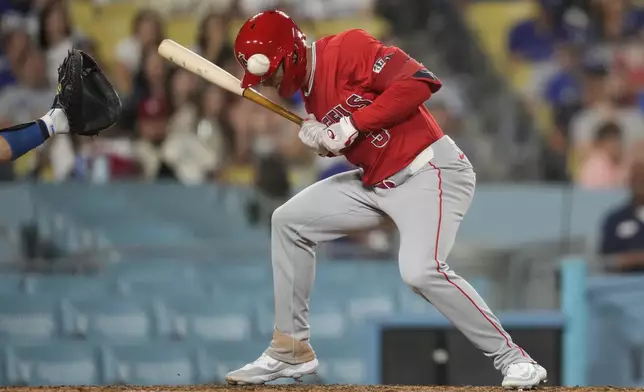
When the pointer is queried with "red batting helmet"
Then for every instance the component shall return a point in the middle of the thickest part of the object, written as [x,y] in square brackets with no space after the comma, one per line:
[267,40]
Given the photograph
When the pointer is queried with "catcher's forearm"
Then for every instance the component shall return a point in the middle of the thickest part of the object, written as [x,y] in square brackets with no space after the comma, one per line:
[20,139]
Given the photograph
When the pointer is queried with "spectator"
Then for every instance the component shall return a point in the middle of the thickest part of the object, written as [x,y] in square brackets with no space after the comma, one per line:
[330,9]
[602,102]
[622,244]
[32,96]
[148,30]
[252,7]
[614,20]
[563,94]
[605,166]
[563,89]
[628,61]
[91,47]
[55,36]
[212,41]
[212,127]
[170,156]
[21,14]
[533,41]
[330,166]
[16,46]
[272,188]
[181,96]
[448,110]
[103,159]
[152,131]
[556,150]
[150,80]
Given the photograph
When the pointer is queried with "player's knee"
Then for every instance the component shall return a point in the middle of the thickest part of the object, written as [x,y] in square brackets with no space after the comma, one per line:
[283,216]
[415,273]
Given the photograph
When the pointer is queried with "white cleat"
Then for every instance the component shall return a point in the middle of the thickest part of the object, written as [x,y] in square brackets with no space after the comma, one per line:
[524,376]
[266,369]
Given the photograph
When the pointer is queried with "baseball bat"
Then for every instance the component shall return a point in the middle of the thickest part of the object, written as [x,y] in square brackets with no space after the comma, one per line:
[191,61]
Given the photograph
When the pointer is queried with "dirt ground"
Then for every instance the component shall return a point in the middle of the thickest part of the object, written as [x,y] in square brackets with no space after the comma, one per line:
[303,388]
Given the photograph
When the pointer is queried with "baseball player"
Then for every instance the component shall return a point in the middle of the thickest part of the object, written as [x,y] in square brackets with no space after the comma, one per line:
[86,103]
[366,101]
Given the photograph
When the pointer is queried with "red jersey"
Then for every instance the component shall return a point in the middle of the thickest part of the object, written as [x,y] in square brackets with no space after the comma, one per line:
[350,72]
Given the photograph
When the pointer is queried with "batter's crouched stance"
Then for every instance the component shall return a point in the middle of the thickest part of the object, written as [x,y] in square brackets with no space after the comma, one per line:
[365,100]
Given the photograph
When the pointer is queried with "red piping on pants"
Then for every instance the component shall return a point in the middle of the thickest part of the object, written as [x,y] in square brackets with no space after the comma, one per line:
[438,265]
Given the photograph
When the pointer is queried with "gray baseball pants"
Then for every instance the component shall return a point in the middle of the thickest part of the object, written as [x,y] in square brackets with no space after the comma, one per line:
[427,205]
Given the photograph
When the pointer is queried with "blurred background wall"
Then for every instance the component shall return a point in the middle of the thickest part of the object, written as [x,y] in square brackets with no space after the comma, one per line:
[142,256]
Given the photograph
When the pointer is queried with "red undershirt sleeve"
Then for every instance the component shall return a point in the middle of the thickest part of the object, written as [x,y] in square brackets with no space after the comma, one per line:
[403,84]
[399,101]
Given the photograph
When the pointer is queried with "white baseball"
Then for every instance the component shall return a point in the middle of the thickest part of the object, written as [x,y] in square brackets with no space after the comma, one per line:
[258,64]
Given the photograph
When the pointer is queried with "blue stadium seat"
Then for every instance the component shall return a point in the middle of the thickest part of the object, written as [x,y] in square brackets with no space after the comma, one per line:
[154,364]
[108,318]
[246,278]
[156,277]
[347,272]
[217,359]
[206,318]
[52,364]
[12,284]
[341,360]
[360,301]
[30,318]
[326,318]
[138,233]
[265,311]
[152,268]
[240,247]
[68,286]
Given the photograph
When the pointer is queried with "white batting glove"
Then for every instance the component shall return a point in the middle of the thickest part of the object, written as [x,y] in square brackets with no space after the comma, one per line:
[339,136]
[310,134]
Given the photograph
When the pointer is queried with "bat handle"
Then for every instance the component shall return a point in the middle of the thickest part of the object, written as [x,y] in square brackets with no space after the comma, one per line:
[259,99]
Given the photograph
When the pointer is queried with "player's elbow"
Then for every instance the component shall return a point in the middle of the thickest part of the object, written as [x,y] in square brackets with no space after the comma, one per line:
[424,91]
[413,93]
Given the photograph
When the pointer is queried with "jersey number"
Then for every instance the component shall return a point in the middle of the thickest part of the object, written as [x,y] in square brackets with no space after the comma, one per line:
[379,139]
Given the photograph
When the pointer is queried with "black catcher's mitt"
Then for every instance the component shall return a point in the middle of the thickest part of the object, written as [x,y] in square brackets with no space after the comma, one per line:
[88,99]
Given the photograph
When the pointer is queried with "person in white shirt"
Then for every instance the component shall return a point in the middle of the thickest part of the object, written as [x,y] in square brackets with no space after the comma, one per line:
[55,36]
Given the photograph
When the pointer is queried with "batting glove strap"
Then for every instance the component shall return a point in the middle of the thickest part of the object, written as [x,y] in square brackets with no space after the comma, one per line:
[310,134]
[340,135]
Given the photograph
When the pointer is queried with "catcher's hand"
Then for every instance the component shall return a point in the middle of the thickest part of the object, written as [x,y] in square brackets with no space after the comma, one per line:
[88,99]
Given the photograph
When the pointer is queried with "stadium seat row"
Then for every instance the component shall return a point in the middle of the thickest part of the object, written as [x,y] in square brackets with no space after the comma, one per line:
[158,364]
[236,317]
[172,276]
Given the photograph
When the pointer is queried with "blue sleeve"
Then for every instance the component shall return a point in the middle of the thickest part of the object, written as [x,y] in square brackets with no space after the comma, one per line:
[609,243]
[515,37]
[551,91]
[23,138]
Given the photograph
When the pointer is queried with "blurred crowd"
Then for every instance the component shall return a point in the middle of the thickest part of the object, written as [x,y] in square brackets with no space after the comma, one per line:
[586,87]
[587,84]
[174,126]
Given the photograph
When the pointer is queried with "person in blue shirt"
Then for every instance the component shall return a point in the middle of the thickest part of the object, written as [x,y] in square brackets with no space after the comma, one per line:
[533,40]
[622,242]
[15,46]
